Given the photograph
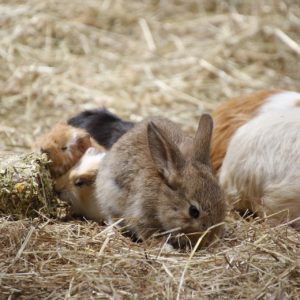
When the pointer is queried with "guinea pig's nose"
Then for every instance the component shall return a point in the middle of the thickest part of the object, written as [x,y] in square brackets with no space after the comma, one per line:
[44,151]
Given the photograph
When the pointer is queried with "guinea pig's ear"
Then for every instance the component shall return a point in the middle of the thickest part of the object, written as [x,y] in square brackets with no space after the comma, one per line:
[92,151]
[83,141]
[202,141]
[165,154]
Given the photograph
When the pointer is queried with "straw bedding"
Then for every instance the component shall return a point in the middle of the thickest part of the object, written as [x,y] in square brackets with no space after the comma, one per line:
[139,58]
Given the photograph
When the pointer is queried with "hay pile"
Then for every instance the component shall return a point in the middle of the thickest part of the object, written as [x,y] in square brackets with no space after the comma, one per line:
[172,58]
[57,260]
[26,187]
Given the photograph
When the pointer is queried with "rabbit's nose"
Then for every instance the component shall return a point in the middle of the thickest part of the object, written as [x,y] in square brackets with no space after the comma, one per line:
[203,226]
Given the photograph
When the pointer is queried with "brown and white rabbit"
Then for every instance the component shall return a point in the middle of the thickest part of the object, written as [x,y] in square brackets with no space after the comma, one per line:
[77,186]
[64,146]
[159,179]
[261,168]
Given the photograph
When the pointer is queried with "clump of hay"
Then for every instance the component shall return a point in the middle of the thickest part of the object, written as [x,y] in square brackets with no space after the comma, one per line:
[26,187]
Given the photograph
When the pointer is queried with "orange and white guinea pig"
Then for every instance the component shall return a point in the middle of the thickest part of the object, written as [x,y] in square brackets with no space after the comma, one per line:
[256,153]
[77,186]
[64,146]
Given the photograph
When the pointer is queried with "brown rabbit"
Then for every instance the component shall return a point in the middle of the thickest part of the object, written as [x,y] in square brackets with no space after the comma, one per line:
[159,179]
[64,146]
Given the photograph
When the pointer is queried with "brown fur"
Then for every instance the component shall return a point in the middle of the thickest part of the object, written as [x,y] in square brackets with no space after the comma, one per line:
[67,184]
[152,184]
[298,104]
[229,117]
[62,136]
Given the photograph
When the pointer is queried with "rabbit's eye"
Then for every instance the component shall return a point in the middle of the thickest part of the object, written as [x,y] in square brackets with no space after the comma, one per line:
[194,212]
[64,148]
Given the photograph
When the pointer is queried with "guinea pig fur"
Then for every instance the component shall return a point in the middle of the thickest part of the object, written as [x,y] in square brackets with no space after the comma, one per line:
[228,117]
[159,179]
[77,186]
[261,168]
[64,145]
[234,113]
[105,127]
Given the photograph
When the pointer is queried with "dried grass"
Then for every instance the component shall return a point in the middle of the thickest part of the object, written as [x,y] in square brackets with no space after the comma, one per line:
[26,187]
[75,259]
[173,58]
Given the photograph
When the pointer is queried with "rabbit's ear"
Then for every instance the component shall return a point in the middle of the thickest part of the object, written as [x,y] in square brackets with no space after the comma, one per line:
[202,141]
[165,154]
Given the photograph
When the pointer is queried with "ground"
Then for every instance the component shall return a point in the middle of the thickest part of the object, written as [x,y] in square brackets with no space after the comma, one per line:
[138,58]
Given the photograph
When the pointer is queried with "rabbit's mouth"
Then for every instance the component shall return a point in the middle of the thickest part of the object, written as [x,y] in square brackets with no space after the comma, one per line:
[190,240]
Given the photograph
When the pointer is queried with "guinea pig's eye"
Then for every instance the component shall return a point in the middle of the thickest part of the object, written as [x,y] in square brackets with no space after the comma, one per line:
[64,148]
[79,182]
[194,212]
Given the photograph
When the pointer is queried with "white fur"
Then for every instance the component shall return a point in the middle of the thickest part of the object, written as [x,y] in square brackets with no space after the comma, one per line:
[110,196]
[73,139]
[71,142]
[109,190]
[88,161]
[87,207]
[261,169]
[280,101]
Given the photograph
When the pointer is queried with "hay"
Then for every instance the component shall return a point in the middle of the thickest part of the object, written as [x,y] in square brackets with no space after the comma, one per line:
[26,187]
[59,260]
[139,58]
